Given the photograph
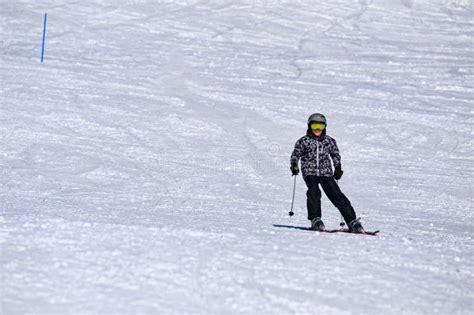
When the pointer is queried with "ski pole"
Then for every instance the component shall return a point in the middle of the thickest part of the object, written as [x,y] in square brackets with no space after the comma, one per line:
[293,198]
[44,37]
[342,223]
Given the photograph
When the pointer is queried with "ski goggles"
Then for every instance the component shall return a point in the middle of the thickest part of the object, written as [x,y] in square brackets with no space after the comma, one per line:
[317,126]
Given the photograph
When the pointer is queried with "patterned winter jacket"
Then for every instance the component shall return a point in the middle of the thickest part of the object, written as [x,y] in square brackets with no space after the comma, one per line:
[316,154]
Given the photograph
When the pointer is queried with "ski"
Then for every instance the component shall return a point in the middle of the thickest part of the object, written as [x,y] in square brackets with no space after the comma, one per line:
[343,230]
[347,231]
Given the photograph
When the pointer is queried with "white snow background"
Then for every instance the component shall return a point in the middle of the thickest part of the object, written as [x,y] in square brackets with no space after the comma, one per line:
[145,163]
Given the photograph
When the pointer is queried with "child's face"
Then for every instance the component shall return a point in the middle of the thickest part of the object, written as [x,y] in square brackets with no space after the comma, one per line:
[317,128]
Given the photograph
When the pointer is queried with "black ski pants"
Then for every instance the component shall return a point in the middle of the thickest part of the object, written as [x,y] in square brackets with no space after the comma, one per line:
[334,193]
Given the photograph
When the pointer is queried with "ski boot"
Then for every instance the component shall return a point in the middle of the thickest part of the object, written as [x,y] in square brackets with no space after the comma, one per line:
[317,224]
[355,226]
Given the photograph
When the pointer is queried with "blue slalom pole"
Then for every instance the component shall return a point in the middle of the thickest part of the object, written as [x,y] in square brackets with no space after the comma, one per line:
[44,37]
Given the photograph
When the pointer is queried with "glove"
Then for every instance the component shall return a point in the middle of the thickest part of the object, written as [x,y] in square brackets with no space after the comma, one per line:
[294,168]
[338,172]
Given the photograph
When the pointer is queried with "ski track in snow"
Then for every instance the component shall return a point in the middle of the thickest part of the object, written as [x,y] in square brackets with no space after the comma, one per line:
[146,162]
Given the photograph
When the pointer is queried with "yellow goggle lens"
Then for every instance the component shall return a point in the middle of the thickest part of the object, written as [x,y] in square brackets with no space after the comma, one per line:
[315,126]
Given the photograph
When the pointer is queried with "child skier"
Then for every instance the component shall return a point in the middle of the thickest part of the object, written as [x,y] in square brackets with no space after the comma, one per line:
[316,149]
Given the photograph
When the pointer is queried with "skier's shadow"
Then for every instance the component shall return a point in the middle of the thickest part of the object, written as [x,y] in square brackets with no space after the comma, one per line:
[295,227]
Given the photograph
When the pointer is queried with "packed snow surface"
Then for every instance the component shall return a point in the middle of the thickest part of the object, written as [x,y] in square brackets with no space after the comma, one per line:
[145,163]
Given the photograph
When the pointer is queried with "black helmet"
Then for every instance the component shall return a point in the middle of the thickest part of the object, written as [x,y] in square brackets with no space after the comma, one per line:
[317,117]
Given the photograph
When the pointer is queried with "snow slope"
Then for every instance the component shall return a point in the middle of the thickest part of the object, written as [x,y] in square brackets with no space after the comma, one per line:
[145,163]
